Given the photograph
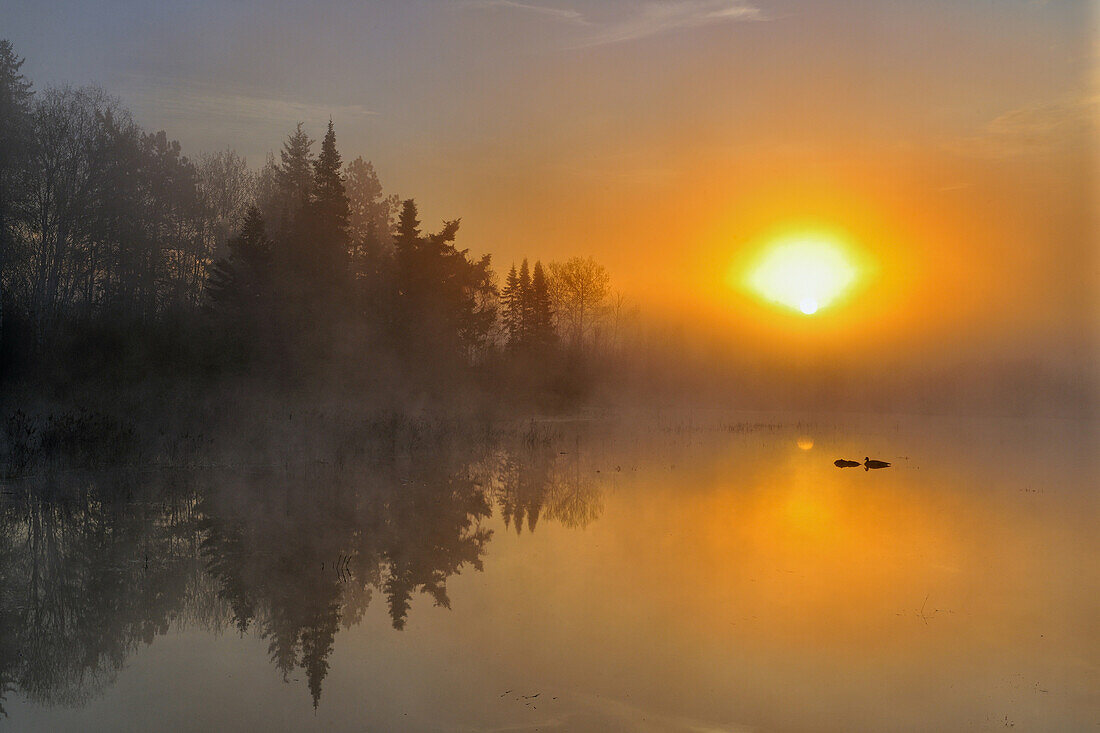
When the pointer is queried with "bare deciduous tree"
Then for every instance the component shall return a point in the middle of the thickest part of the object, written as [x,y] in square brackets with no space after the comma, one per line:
[580,287]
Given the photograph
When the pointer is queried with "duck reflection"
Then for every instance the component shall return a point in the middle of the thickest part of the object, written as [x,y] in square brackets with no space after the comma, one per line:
[94,566]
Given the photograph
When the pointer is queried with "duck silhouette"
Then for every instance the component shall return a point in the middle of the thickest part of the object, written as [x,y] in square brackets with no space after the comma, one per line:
[841,463]
[868,464]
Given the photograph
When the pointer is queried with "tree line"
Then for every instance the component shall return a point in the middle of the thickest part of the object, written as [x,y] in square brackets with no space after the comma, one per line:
[116,245]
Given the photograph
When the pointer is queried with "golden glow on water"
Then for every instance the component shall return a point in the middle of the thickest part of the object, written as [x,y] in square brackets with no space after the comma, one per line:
[804,272]
[805,443]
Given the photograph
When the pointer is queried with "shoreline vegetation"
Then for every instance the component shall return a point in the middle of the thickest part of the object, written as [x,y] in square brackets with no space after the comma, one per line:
[143,280]
[169,294]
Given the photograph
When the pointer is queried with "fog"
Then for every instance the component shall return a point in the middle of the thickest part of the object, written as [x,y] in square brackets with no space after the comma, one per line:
[493,365]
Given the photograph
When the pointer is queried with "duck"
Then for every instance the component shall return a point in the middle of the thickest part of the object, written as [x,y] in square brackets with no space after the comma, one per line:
[868,464]
[841,463]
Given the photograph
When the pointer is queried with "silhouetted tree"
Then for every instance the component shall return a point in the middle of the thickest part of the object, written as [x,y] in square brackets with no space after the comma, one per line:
[112,240]
[370,211]
[528,311]
[268,194]
[328,215]
[579,287]
[228,189]
[511,301]
[525,312]
[446,301]
[329,199]
[406,236]
[370,224]
[15,137]
[241,283]
[543,335]
[294,176]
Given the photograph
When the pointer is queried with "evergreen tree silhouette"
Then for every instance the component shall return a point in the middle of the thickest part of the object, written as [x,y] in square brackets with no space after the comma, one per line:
[329,212]
[329,198]
[241,281]
[294,176]
[512,304]
[543,335]
[524,303]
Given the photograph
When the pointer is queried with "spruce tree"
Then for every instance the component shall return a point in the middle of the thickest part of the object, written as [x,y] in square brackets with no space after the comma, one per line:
[407,241]
[445,302]
[524,303]
[241,281]
[542,310]
[406,236]
[510,301]
[295,176]
[330,201]
[328,217]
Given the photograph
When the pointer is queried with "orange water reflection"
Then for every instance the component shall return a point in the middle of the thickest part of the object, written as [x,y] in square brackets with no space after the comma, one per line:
[756,584]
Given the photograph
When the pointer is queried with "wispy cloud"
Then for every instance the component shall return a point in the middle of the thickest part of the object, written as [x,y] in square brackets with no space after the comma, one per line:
[657,18]
[207,115]
[647,20]
[1036,128]
[173,97]
[564,14]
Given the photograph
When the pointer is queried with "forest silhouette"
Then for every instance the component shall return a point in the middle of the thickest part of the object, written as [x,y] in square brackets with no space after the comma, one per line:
[125,263]
[168,291]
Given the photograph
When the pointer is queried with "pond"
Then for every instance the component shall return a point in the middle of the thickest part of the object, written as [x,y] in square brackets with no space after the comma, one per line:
[658,572]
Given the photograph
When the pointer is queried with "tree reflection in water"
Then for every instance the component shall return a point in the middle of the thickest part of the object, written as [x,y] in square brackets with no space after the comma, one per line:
[93,566]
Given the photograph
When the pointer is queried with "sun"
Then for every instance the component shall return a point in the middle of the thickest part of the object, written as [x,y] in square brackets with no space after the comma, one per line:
[802,272]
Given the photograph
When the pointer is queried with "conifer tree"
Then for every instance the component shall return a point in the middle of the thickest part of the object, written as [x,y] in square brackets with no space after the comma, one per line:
[446,302]
[295,176]
[406,236]
[510,298]
[328,220]
[542,310]
[240,282]
[407,241]
[330,201]
[524,303]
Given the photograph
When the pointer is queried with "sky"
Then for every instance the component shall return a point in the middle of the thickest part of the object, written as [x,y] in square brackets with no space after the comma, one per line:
[951,142]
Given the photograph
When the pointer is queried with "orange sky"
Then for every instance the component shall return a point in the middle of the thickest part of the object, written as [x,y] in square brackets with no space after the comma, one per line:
[954,140]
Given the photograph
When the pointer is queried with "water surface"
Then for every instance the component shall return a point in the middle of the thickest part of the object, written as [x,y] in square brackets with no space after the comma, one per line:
[679,572]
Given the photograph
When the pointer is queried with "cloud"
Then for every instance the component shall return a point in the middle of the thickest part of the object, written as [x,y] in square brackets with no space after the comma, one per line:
[1037,128]
[657,18]
[571,16]
[206,112]
[649,19]
[199,99]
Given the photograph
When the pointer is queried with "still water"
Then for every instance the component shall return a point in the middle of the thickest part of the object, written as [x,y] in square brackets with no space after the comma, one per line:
[687,572]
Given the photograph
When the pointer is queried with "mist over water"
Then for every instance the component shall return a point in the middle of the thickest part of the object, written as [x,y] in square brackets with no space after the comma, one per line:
[669,571]
[493,365]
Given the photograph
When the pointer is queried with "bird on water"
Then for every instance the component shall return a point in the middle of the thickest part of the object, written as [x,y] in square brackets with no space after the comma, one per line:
[868,464]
